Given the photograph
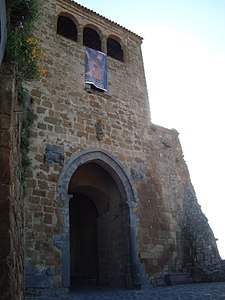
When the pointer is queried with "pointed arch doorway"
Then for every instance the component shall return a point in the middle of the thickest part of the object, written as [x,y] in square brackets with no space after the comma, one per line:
[98,240]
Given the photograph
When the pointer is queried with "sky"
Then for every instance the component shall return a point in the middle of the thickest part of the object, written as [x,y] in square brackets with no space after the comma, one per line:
[184,57]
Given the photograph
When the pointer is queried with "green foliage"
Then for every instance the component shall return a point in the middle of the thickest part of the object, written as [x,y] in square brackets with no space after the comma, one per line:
[23,11]
[22,49]
[28,118]
[24,52]
[22,94]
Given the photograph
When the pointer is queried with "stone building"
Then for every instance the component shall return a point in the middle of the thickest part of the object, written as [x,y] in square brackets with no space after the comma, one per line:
[109,196]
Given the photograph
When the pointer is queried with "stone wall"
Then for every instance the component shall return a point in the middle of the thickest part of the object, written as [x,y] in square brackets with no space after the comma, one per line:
[11,201]
[149,156]
[201,256]
[3,32]
[183,241]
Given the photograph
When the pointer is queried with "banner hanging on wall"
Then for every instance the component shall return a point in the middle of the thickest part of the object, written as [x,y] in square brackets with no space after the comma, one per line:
[96,69]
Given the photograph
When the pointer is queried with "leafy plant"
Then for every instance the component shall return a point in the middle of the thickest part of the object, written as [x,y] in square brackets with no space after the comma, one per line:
[24,51]
[28,118]
[23,11]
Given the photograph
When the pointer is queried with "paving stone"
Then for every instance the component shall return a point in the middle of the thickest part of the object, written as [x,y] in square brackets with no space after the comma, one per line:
[203,291]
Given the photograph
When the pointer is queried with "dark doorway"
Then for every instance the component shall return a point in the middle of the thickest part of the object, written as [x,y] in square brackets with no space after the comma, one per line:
[83,240]
[98,234]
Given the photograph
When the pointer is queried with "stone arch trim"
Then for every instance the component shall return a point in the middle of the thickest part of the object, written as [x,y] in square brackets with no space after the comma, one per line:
[94,27]
[122,178]
[112,45]
[69,16]
[103,158]
[72,35]
[96,34]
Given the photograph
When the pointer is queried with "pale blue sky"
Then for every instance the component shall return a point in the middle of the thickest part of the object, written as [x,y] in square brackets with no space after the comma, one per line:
[202,18]
[184,58]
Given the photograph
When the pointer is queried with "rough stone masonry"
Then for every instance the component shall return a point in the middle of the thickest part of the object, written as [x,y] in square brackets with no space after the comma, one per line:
[109,196]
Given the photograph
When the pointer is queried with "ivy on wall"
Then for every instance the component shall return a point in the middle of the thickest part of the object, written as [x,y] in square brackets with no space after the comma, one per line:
[28,118]
[24,51]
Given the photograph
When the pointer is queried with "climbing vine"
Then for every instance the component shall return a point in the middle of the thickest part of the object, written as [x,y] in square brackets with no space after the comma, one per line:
[24,51]
[28,118]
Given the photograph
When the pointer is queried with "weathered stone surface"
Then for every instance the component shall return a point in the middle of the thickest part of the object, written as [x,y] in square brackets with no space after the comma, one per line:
[54,154]
[5,104]
[52,120]
[11,235]
[199,255]
[5,122]
[5,166]
[38,281]
[5,139]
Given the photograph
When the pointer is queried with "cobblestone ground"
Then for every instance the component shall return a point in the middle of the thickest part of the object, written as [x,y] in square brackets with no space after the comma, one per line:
[203,291]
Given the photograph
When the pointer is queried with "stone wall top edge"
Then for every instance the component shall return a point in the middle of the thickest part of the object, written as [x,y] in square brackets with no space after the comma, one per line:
[172,131]
[82,9]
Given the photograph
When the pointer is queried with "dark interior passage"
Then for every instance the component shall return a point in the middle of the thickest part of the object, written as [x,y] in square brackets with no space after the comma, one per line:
[99,245]
[83,240]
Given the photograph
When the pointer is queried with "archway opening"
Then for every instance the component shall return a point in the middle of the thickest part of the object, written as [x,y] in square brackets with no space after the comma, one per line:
[91,39]
[114,49]
[99,243]
[67,28]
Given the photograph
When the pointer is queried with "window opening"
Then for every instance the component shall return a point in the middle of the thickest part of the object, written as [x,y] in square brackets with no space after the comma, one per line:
[67,28]
[91,39]
[114,49]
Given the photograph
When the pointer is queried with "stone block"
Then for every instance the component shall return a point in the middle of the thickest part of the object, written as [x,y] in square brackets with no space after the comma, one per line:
[5,102]
[60,130]
[41,126]
[38,281]
[176,278]
[218,276]
[54,154]
[52,120]
[5,138]
[144,255]
[5,166]
[53,177]
[5,192]
[5,122]
[40,110]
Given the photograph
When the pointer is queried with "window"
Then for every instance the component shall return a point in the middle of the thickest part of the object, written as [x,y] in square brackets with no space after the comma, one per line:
[114,49]
[67,28]
[91,39]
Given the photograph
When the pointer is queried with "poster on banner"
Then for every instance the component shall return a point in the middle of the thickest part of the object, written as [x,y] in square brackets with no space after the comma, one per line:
[96,69]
